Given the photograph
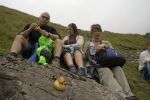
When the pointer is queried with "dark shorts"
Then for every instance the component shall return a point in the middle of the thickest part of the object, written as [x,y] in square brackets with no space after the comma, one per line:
[68,50]
[27,53]
[146,72]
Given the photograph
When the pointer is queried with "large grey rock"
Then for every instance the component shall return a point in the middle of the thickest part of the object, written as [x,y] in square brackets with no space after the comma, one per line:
[24,80]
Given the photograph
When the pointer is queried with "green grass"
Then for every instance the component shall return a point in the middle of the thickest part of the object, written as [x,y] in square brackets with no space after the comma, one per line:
[139,87]
[12,21]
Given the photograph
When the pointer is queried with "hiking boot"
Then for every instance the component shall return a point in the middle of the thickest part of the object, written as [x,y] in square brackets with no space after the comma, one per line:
[82,72]
[73,69]
[132,98]
[11,57]
[89,71]
[88,75]
[55,63]
[13,54]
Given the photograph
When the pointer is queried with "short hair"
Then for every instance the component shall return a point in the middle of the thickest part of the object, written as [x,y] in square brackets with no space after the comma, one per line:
[97,27]
[74,27]
[46,14]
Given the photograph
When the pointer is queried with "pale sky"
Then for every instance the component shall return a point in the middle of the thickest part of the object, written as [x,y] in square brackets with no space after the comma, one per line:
[122,16]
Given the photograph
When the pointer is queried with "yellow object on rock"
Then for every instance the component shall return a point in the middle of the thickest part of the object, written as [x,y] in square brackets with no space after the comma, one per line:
[59,84]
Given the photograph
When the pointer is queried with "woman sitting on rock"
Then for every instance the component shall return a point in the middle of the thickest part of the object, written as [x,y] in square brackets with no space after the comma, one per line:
[72,50]
[111,77]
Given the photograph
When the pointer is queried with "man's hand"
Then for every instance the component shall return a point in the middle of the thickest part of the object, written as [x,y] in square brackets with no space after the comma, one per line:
[38,28]
[33,26]
[43,32]
[28,31]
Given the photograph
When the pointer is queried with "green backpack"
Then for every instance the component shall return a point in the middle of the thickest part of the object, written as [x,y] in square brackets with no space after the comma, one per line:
[46,45]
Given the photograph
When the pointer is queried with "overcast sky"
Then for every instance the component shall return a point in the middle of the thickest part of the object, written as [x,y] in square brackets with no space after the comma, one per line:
[123,16]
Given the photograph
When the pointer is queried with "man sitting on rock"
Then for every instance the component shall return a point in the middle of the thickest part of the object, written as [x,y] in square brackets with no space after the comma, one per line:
[25,41]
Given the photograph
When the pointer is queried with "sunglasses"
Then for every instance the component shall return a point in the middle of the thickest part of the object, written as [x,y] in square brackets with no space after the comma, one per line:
[47,18]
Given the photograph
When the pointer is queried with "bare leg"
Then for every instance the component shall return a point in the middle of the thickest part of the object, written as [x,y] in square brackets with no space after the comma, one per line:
[78,59]
[68,59]
[19,43]
[58,48]
[57,52]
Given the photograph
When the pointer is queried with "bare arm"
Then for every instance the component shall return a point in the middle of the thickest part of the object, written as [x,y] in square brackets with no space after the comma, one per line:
[79,42]
[28,28]
[26,33]
[107,44]
[104,45]
[47,34]
[64,39]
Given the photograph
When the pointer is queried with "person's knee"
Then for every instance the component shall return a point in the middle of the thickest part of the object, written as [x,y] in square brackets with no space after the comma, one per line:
[68,58]
[105,72]
[20,38]
[117,68]
[78,53]
[66,55]
[106,76]
[58,48]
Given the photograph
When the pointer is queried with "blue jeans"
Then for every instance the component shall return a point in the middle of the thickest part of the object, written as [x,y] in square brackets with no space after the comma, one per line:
[146,71]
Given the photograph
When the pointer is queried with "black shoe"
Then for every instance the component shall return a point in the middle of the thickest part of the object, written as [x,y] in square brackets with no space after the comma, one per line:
[132,98]
[11,57]
[82,72]
[89,71]
[73,69]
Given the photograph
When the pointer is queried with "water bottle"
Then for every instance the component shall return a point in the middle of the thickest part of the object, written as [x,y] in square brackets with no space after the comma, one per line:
[71,50]
[92,49]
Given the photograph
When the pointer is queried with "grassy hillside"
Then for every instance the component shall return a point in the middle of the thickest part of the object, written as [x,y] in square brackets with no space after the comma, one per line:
[12,21]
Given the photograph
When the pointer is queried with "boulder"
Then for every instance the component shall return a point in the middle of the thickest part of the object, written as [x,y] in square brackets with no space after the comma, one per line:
[25,80]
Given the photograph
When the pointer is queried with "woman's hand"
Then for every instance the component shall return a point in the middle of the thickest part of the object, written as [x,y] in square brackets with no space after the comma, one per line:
[101,46]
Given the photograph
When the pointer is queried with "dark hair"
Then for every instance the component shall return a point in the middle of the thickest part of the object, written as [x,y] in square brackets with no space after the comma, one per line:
[74,27]
[97,27]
